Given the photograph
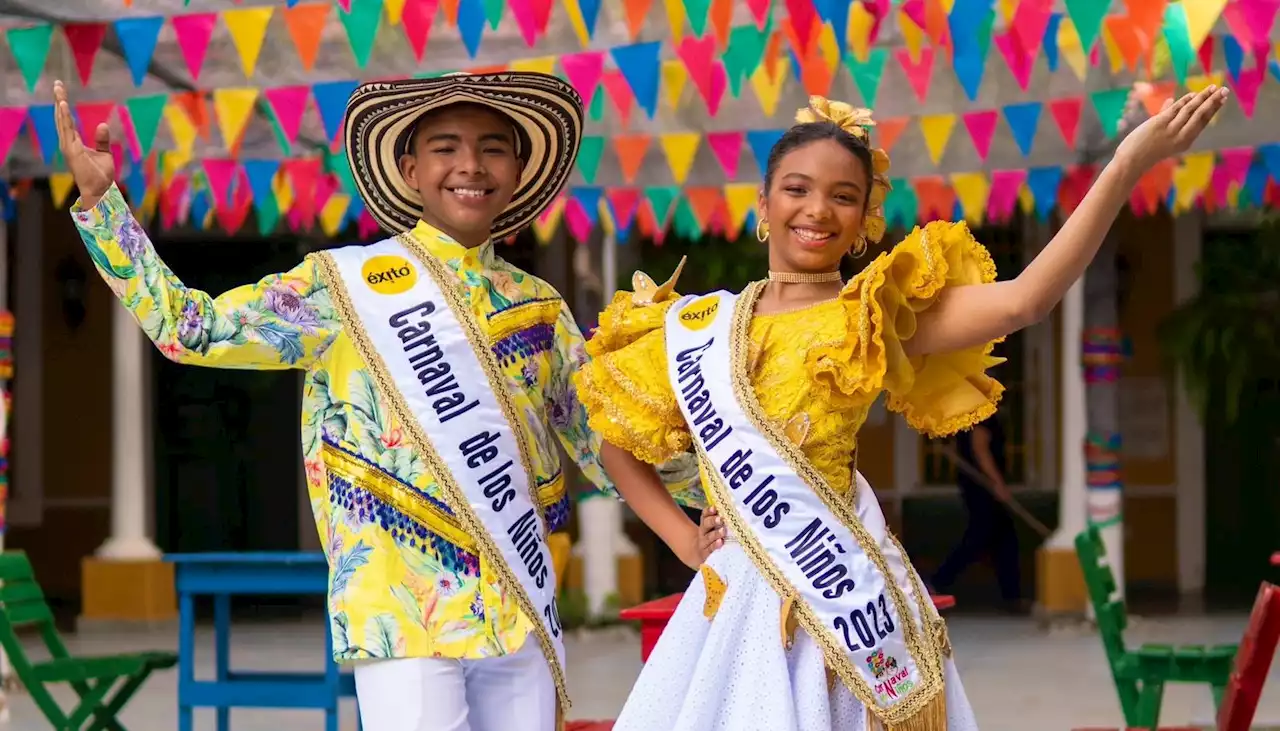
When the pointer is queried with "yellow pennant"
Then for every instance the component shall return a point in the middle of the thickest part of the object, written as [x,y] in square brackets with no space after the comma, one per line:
[674,78]
[675,16]
[395,10]
[579,24]
[1114,55]
[607,224]
[1071,49]
[1199,83]
[947,5]
[248,26]
[937,131]
[171,163]
[545,227]
[769,88]
[861,22]
[181,127]
[972,189]
[541,65]
[912,34]
[681,149]
[1202,15]
[1191,178]
[828,47]
[233,108]
[334,213]
[1026,200]
[1007,9]
[60,185]
[283,191]
[741,198]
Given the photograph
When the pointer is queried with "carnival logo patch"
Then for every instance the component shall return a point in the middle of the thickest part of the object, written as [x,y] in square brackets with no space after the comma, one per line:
[699,313]
[389,274]
[893,682]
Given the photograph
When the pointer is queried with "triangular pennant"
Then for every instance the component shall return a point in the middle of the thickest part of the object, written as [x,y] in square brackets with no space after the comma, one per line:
[697,12]
[619,93]
[1019,61]
[1066,113]
[631,151]
[589,154]
[1232,56]
[540,65]
[1023,120]
[1030,22]
[181,128]
[30,47]
[262,179]
[727,147]
[1110,104]
[1003,196]
[361,24]
[721,17]
[972,191]
[1201,16]
[220,173]
[639,64]
[248,28]
[44,129]
[674,78]
[867,74]
[675,18]
[595,110]
[471,21]
[681,148]
[707,205]
[685,222]
[193,32]
[743,54]
[761,142]
[760,11]
[584,71]
[60,185]
[919,70]
[233,108]
[331,101]
[969,68]
[288,104]
[1154,96]
[982,127]
[740,202]
[1247,88]
[548,222]
[888,131]
[803,18]
[699,57]
[11,121]
[1043,184]
[1070,49]
[1086,16]
[493,10]
[768,84]
[1050,45]
[936,129]
[637,12]
[306,24]
[92,114]
[589,198]
[623,204]
[85,39]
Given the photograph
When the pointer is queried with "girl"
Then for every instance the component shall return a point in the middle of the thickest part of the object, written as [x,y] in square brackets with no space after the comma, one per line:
[811,616]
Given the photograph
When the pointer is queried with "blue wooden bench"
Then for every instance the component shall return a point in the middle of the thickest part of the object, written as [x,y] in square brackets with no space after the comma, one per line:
[220,576]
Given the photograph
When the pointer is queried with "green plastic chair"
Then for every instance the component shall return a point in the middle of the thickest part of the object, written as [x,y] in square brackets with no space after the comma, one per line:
[22,605]
[1140,674]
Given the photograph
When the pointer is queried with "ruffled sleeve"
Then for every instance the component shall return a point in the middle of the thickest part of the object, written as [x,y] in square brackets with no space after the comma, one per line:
[625,387]
[938,394]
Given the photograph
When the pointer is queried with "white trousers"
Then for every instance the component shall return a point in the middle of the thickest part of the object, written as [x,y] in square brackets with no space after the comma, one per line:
[510,693]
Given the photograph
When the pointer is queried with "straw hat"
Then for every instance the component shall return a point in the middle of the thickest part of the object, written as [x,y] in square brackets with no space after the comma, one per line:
[381,117]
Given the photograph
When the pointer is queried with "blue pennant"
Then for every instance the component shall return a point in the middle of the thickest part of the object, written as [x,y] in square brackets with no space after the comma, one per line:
[1043,183]
[761,142]
[138,40]
[640,65]
[471,22]
[46,129]
[262,176]
[1255,184]
[588,196]
[590,15]
[1270,155]
[1233,54]
[199,209]
[1023,119]
[331,101]
[1050,43]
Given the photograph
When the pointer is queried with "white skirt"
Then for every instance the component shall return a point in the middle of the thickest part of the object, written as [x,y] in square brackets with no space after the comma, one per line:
[732,672]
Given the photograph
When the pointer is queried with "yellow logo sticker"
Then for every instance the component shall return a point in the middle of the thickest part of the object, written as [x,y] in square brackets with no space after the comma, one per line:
[389,274]
[699,313]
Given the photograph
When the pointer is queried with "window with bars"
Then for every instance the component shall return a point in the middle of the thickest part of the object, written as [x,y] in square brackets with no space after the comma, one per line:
[1006,244]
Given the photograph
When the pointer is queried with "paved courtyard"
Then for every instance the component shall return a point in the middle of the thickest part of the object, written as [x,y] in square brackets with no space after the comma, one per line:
[1019,677]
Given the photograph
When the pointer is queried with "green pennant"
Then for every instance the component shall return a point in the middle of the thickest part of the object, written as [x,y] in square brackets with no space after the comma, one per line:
[146,112]
[697,11]
[1176,35]
[589,155]
[493,10]
[362,25]
[901,205]
[743,55]
[1087,17]
[337,163]
[867,74]
[30,46]
[433,74]
[684,223]
[281,138]
[1109,103]
[596,112]
[268,215]
[660,198]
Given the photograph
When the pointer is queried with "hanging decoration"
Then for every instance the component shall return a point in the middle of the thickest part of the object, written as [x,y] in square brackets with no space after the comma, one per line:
[1102,352]
[1102,470]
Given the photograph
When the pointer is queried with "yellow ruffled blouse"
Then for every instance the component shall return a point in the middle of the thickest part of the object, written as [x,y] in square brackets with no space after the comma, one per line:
[827,362]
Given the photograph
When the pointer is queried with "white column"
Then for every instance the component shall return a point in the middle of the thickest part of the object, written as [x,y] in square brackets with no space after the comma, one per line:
[129,453]
[1072,495]
[1190,475]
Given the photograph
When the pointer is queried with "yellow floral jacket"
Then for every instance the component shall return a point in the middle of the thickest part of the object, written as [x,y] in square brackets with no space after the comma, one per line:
[398,588]
[816,371]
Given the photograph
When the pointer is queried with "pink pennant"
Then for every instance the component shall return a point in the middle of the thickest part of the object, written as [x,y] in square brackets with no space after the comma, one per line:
[576,220]
[194,32]
[523,12]
[1030,21]
[916,12]
[584,71]
[231,217]
[345,5]
[304,175]
[551,210]
[541,15]
[11,121]
[624,202]
[879,10]
[1066,112]
[220,173]
[919,74]
[366,225]
[707,73]
[804,18]
[727,147]
[172,201]
[325,188]
[1232,168]
[982,127]
[760,11]
[92,114]
[1247,86]
[130,134]
[289,104]
[1020,62]
[1206,54]
[619,91]
[1003,196]
[117,155]
[1251,21]
[416,20]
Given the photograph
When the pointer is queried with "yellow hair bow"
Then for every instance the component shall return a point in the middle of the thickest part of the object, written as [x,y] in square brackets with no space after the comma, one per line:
[854,120]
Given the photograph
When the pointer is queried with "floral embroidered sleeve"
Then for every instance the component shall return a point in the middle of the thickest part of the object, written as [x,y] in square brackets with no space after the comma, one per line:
[566,413]
[283,321]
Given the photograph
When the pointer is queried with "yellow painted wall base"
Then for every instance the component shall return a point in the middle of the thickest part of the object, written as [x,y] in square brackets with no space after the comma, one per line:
[1060,585]
[128,591]
[630,579]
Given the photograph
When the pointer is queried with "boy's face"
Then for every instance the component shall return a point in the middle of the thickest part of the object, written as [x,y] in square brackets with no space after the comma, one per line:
[463,162]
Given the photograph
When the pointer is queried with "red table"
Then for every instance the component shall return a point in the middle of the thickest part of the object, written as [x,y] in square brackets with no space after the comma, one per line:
[653,617]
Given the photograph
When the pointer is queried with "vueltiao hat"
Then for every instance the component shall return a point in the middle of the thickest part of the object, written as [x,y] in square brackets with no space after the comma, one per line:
[381,118]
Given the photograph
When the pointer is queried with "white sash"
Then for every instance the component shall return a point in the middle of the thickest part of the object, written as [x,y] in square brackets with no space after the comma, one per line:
[814,552]
[436,371]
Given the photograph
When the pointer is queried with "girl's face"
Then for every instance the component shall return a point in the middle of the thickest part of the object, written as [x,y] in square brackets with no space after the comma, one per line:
[814,207]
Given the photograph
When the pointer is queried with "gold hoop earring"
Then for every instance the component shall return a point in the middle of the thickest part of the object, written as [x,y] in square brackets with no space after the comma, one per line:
[859,246]
[762,230]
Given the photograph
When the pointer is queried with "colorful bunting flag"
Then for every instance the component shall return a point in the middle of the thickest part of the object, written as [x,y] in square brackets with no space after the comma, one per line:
[248,29]
[982,127]
[361,23]
[1110,105]
[639,64]
[84,39]
[1023,119]
[631,151]
[1066,113]
[936,129]
[681,148]
[30,47]
[233,107]
[589,154]
[584,71]
[306,23]
[138,36]
[727,147]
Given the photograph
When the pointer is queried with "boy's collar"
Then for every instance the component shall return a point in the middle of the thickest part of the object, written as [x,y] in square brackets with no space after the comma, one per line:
[445,247]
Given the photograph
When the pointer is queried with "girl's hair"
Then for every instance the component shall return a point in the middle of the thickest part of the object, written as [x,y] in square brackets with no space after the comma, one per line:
[802,135]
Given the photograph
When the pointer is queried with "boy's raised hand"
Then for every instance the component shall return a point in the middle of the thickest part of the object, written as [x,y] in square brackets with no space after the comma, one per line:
[92,166]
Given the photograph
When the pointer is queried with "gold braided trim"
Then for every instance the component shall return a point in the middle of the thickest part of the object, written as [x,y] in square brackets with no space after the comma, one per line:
[537,312]
[451,491]
[393,493]
[919,700]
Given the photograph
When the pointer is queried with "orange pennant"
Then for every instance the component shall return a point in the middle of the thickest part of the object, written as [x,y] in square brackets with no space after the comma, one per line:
[193,103]
[1126,39]
[887,132]
[306,25]
[707,205]
[450,10]
[772,53]
[721,18]
[631,150]
[1153,96]
[637,13]
[937,200]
